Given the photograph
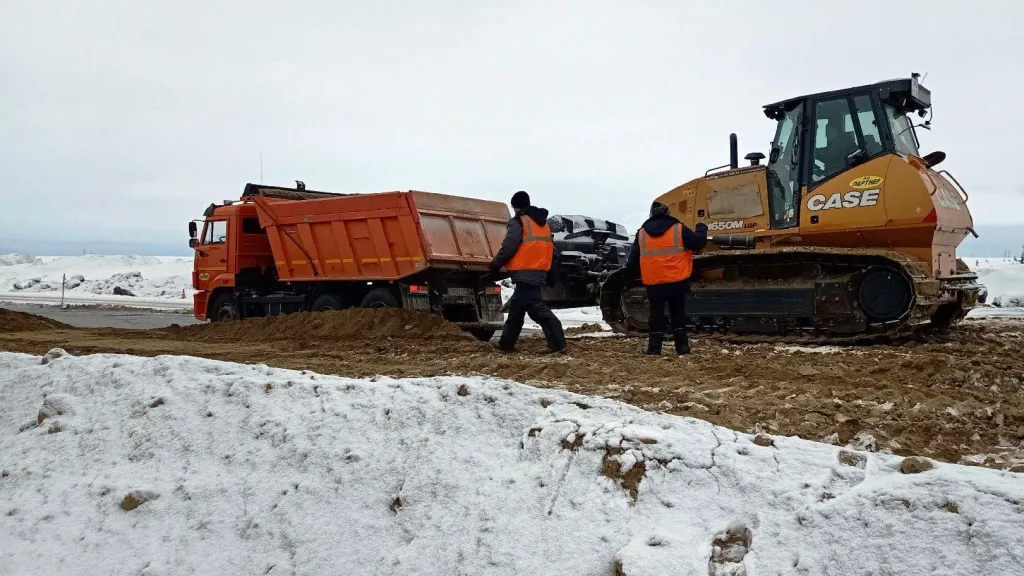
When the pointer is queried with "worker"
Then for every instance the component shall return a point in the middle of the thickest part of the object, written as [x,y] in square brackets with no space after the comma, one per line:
[662,257]
[528,253]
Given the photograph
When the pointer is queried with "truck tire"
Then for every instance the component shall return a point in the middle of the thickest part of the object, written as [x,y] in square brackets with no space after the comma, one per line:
[223,308]
[379,298]
[328,302]
[483,334]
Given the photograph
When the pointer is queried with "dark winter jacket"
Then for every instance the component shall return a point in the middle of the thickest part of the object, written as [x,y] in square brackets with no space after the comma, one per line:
[509,246]
[657,226]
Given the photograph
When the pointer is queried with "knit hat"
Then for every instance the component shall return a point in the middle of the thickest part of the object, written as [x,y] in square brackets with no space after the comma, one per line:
[658,209]
[520,200]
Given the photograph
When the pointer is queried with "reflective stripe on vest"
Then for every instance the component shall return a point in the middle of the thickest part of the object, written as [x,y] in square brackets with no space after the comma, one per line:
[664,259]
[535,253]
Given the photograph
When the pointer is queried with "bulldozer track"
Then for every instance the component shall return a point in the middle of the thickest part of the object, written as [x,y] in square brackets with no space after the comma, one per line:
[842,267]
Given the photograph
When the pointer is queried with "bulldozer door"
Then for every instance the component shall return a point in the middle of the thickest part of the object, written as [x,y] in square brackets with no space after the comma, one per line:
[845,134]
[784,171]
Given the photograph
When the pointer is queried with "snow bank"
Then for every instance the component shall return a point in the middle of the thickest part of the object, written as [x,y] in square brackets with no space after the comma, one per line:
[128,280]
[172,465]
[16,259]
[1003,278]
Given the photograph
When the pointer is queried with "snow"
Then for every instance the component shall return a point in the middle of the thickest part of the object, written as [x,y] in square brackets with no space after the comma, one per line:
[811,349]
[155,281]
[176,465]
[1003,278]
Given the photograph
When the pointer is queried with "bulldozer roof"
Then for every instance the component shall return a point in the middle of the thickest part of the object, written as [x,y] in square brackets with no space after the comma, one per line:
[905,93]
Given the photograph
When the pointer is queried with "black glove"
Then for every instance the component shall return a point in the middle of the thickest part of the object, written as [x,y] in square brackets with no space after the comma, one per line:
[701,228]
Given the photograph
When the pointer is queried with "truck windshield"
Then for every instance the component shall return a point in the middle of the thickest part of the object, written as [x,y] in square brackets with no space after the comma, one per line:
[216,232]
[902,131]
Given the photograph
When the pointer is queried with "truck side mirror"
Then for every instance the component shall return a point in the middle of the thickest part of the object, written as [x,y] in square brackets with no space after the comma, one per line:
[193,230]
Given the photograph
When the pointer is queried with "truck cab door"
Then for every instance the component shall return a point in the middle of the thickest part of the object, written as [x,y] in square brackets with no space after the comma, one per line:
[211,254]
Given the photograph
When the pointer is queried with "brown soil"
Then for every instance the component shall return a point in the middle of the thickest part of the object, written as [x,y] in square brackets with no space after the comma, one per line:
[11,321]
[583,329]
[310,329]
[957,394]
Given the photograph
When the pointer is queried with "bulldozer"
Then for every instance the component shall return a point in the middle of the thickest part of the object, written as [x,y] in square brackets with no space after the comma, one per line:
[846,231]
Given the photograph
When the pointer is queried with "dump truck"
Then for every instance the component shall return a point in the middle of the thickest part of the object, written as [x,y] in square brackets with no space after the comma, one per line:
[280,250]
[848,231]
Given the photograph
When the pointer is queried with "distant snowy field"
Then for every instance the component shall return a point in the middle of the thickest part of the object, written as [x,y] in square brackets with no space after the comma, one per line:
[155,281]
[158,282]
[114,464]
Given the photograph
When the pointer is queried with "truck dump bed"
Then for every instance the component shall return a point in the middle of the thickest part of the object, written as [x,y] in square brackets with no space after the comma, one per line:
[383,236]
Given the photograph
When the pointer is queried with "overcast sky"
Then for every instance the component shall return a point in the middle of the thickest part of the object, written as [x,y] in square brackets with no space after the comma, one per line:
[122,120]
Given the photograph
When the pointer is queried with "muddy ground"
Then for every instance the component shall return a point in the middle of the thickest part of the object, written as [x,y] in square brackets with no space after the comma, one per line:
[957,397]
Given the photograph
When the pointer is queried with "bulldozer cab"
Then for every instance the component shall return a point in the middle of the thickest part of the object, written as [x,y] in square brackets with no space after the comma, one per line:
[821,136]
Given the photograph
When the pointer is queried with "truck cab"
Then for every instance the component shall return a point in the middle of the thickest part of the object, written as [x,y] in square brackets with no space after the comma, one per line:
[232,244]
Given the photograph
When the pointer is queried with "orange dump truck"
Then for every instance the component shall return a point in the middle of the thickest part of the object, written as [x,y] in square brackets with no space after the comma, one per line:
[281,250]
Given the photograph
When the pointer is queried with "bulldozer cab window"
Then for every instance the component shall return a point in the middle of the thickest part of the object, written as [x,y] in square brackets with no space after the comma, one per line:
[903,134]
[216,232]
[868,125]
[783,173]
[835,138]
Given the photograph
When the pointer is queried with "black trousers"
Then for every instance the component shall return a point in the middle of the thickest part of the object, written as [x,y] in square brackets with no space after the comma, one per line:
[675,296]
[526,300]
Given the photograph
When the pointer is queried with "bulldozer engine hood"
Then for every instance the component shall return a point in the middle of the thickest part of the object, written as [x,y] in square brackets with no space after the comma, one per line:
[657,225]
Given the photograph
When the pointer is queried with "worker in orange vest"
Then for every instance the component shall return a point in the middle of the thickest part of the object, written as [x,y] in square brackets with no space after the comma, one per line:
[528,253]
[662,257]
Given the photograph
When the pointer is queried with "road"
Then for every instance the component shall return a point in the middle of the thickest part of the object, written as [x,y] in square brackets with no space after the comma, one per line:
[106,318]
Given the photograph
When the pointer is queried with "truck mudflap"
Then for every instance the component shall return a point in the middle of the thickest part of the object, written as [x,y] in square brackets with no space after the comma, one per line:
[199,302]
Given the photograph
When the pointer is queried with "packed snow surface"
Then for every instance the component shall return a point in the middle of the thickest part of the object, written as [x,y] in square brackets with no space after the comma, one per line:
[116,464]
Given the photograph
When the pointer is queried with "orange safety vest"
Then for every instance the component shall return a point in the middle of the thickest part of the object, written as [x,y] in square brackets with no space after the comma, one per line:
[537,249]
[664,259]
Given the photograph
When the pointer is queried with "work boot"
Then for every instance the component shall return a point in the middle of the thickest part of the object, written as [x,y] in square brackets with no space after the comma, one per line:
[654,341]
[497,346]
[682,342]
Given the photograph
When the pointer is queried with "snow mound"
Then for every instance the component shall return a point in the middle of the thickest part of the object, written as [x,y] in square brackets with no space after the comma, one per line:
[175,465]
[16,259]
[1002,278]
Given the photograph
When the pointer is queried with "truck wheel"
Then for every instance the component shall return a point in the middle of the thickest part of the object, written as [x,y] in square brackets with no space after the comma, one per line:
[379,298]
[328,302]
[483,334]
[224,308]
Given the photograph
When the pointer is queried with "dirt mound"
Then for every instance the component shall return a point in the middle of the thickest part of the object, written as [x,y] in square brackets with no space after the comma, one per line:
[588,328]
[310,328]
[11,321]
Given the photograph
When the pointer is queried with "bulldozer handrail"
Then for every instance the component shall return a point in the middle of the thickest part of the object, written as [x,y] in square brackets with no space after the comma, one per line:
[710,170]
[963,192]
